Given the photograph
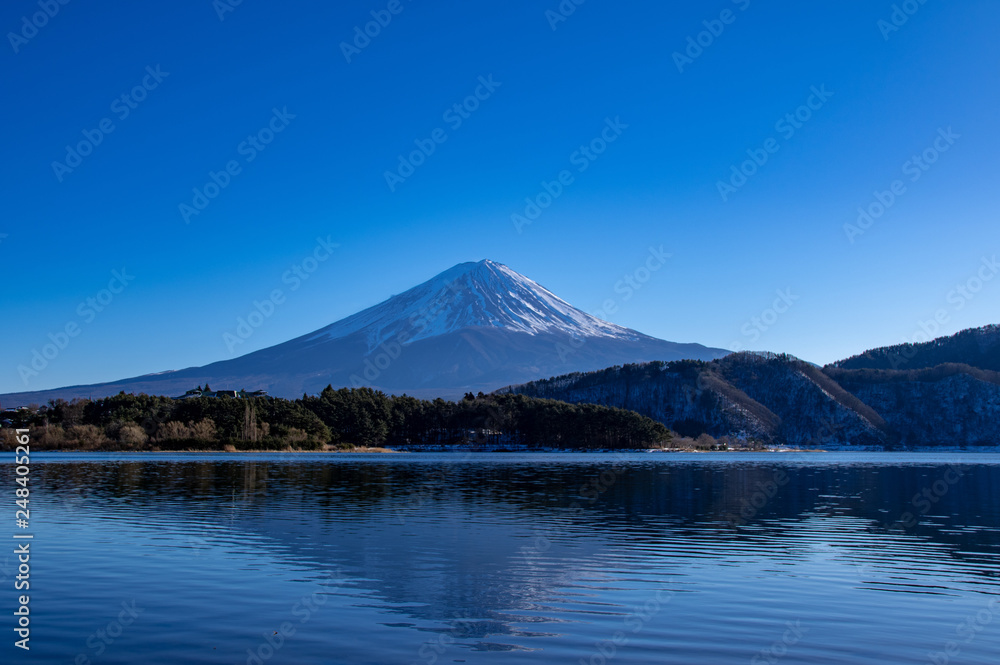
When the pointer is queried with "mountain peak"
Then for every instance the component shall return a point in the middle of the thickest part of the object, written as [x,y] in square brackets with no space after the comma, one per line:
[480,269]
[473,295]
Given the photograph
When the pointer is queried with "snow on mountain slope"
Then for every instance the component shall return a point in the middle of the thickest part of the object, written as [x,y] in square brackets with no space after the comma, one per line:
[472,295]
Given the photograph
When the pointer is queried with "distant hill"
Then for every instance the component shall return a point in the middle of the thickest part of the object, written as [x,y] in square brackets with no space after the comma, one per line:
[975,347]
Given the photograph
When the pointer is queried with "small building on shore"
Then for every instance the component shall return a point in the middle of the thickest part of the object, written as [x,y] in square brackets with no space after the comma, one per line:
[234,394]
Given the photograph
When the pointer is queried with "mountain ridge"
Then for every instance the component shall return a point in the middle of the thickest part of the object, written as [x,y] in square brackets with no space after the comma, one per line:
[779,399]
[976,347]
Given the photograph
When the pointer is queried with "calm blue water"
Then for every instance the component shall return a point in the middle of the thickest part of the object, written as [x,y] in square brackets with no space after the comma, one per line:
[512,559]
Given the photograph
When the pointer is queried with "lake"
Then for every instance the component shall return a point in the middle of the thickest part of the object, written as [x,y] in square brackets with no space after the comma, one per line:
[511,558]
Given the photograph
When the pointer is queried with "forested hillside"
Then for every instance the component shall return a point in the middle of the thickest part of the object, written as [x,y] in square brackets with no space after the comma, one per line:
[779,399]
[345,418]
[976,347]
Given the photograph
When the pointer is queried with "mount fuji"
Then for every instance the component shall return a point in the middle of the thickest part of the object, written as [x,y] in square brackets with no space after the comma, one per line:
[477,326]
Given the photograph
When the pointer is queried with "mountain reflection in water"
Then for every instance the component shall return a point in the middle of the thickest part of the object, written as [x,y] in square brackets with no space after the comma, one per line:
[645,558]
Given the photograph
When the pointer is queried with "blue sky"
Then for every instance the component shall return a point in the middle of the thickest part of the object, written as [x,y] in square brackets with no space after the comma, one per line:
[554,85]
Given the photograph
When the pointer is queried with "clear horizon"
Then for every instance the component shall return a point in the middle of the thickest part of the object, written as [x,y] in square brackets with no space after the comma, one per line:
[820,177]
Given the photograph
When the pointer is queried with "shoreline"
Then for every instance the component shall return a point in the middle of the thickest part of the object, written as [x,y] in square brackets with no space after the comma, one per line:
[367,450]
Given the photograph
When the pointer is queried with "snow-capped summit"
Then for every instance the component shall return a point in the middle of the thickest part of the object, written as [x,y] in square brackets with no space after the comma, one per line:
[472,295]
